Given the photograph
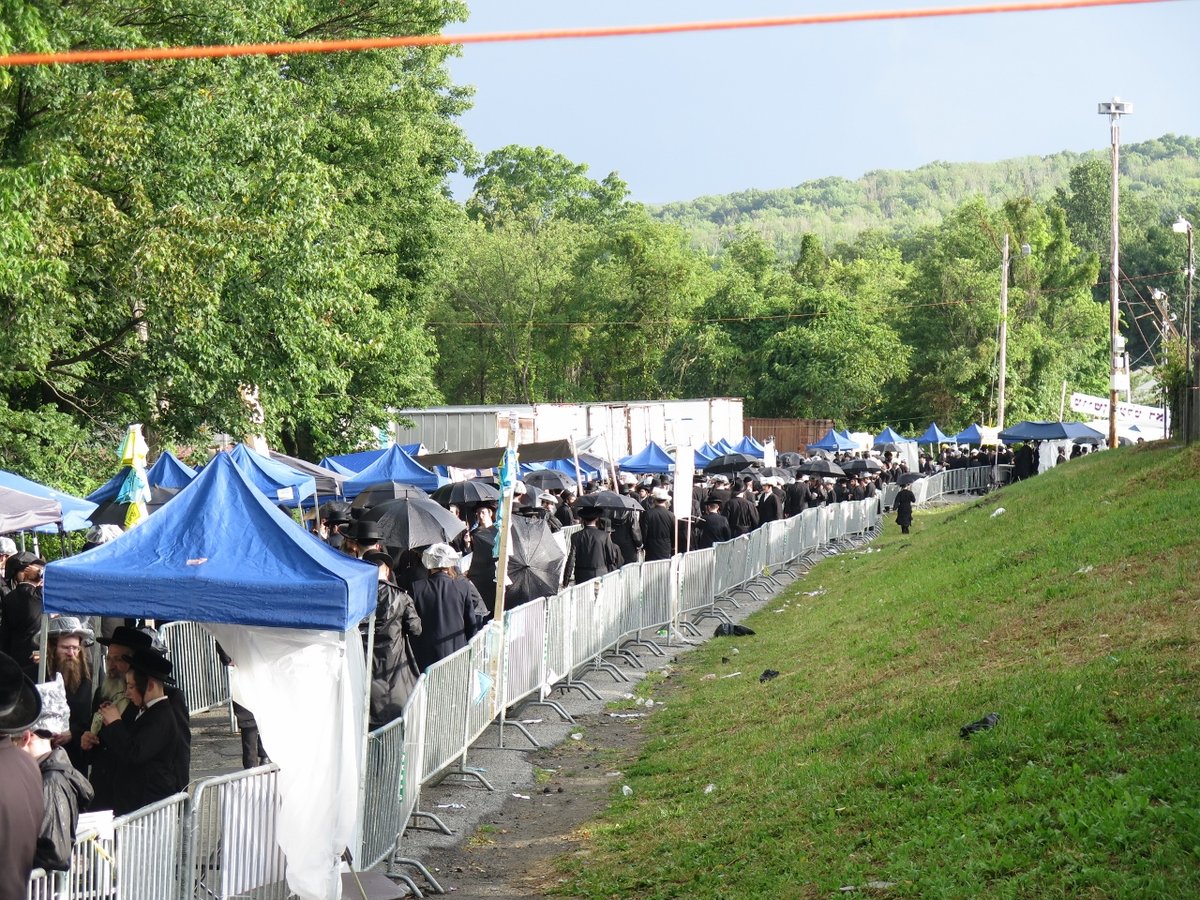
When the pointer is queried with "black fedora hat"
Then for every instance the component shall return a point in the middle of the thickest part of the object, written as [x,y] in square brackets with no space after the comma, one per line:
[149,662]
[20,702]
[364,532]
[125,636]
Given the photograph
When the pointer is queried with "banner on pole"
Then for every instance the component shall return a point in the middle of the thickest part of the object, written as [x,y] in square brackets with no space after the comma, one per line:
[1128,413]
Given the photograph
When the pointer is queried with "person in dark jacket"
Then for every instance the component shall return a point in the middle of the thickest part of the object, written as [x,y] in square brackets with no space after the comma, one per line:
[593,552]
[450,608]
[714,527]
[770,503]
[658,527]
[741,513]
[627,534]
[21,611]
[394,669]
[145,744]
[20,781]
[64,789]
[904,508]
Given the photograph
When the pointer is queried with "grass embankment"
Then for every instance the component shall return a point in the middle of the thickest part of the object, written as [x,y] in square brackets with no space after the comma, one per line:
[1073,615]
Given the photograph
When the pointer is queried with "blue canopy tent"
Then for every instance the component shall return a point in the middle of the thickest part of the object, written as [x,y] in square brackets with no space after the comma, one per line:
[723,447]
[353,463]
[394,465]
[750,447]
[889,436]
[704,455]
[332,465]
[1052,431]
[934,435]
[285,606]
[976,434]
[567,467]
[218,538]
[834,441]
[167,472]
[652,459]
[75,512]
[280,483]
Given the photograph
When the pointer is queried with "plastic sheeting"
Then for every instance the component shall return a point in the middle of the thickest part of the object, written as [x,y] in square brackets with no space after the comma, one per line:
[306,691]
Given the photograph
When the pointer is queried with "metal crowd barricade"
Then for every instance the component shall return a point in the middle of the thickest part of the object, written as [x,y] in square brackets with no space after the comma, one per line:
[93,872]
[657,590]
[199,671]
[149,844]
[446,714]
[383,813]
[230,849]
[525,650]
[696,580]
[41,885]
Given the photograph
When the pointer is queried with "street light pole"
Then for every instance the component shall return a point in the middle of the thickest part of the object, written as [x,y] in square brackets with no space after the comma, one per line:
[1114,109]
[1003,339]
[1181,227]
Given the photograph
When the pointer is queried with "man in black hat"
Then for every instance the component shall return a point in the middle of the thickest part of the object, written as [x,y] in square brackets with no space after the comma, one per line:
[21,611]
[334,515]
[658,527]
[592,551]
[714,527]
[121,646]
[362,537]
[20,782]
[144,743]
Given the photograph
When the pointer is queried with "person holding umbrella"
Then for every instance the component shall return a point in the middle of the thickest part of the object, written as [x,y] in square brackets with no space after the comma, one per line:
[450,608]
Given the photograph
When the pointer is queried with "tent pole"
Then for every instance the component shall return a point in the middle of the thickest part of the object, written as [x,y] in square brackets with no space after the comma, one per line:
[43,640]
[578,475]
[508,482]
[365,753]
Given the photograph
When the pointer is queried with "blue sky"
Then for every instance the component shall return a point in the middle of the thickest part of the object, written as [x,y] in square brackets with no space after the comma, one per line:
[686,115]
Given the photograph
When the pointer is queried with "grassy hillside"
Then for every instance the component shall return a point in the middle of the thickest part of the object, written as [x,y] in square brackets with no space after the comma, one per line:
[1074,615]
[1164,172]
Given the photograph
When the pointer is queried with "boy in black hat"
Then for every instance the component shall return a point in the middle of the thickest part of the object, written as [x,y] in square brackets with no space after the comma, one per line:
[362,537]
[144,744]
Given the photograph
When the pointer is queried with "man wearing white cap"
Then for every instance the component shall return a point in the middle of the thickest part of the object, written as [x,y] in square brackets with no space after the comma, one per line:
[67,643]
[658,527]
[450,607]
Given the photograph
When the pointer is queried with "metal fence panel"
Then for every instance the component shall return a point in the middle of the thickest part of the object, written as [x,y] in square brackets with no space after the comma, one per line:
[631,604]
[525,650]
[201,676]
[656,592]
[231,847]
[383,812]
[696,580]
[446,712]
[560,610]
[41,885]
[148,845]
[610,609]
[414,751]
[483,687]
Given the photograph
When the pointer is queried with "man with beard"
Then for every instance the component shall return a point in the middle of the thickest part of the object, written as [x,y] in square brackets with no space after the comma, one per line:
[21,611]
[68,638]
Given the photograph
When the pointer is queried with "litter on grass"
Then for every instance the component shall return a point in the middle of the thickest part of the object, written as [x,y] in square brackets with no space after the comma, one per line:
[710,788]
[1083,570]
[626,715]
[998,511]
[626,790]
[522,796]
[531,721]
[816,593]
[451,806]
[577,736]
[987,723]
[732,675]
[767,675]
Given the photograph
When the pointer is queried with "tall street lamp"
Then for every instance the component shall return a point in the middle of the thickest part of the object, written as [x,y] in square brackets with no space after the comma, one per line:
[1183,226]
[1114,109]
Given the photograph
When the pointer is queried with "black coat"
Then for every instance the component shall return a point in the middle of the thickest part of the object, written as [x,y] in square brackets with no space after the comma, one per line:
[593,554]
[627,534]
[904,506]
[21,625]
[770,507]
[80,704]
[144,756]
[742,515]
[20,818]
[449,612]
[394,669]
[795,498]
[714,528]
[64,793]
[658,533]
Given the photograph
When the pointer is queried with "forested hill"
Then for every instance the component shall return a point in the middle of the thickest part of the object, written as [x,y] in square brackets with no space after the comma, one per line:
[1163,173]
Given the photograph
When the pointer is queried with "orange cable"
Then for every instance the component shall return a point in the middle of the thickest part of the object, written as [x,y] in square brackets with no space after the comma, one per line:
[429,40]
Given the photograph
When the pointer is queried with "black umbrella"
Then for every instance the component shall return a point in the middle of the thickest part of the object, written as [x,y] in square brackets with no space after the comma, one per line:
[387,490]
[731,462]
[862,465]
[909,478]
[464,492]
[550,480]
[535,562]
[776,472]
[414,522]
[606,500]
[789,459]
[114,513]
[820,467]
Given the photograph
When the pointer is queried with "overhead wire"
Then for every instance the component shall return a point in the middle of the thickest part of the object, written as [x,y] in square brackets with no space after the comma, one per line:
[284,48]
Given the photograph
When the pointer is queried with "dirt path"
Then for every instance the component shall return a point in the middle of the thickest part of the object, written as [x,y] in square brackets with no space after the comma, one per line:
[512,853]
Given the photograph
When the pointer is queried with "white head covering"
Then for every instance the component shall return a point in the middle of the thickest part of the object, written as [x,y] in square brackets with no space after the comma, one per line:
[71,625]
[102,534]
[660,493]
[440,556]
[8,547]
[56,715]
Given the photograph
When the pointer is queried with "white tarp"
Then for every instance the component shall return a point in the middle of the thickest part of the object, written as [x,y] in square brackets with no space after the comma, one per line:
[306,691]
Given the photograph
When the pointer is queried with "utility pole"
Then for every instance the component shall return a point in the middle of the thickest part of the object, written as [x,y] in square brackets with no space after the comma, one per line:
[1114,109]
[1183,226]
[1003,338]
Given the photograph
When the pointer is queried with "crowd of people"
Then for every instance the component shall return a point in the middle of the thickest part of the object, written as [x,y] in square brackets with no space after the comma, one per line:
[108,729]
